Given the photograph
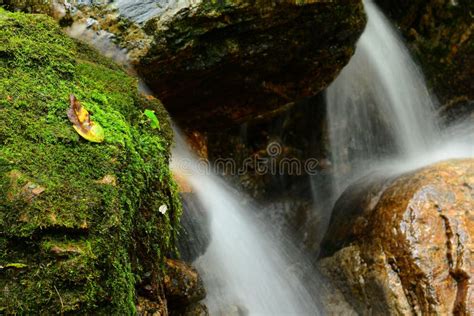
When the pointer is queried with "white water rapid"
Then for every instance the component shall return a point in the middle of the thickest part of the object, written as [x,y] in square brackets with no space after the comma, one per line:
[245,270]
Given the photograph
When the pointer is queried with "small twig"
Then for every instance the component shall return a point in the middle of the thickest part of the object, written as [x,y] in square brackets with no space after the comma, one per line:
[60,299]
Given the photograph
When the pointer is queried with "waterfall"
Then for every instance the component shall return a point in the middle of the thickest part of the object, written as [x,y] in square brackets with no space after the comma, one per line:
[245,270]
[381,114]
[379,105]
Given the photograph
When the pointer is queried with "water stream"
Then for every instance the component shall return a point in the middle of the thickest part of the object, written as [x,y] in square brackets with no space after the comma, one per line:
[380,112]
[246,269]
[380,115]
[379,106]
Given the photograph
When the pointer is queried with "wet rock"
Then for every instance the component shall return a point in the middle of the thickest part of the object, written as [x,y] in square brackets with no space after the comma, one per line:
[183,285]
[196,309]
[196,231]
[404,245]
[216,64]
[457,110]
[146,307]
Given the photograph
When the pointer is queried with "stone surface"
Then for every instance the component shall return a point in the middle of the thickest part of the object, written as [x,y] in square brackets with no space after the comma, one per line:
[223,63]
[183,285]
[146,307]
[404,246]
[196,309]
[195,234]
[216,64]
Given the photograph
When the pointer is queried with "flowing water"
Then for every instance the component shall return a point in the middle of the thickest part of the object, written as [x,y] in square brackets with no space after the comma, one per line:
[246,270]
[380,112]
[379,105]
[380,115]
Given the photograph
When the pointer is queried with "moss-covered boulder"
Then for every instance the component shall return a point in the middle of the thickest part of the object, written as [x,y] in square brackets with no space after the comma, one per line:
[80,227]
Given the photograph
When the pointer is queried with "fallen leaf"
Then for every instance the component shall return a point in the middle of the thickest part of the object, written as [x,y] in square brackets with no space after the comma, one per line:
[108,179]
[82,123]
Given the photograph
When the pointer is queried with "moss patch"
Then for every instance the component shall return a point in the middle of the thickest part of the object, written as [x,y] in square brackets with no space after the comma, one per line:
[70,239]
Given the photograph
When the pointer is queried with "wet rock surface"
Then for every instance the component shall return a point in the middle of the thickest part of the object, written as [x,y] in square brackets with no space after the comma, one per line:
[404,245]
[183,285]
[196,309]
[196,232]
[216,64]
[220,64]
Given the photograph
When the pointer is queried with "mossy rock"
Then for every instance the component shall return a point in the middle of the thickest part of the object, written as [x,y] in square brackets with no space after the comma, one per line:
[79,221]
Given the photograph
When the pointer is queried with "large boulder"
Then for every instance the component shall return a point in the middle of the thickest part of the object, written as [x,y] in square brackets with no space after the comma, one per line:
[80,226]
[220,63]
[404,245]
[183,285]
[215,63]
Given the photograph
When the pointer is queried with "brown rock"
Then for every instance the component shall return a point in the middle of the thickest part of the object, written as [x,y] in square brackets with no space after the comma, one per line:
[183,285]
[196,309]
[221,63]
[406,248]
[146,307]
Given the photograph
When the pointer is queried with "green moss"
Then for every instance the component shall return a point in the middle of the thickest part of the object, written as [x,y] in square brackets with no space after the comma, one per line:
[83,243]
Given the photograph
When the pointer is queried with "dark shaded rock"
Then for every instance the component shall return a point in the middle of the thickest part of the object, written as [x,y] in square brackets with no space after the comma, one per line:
[196,309]
[404,246]
[223,63]
[195,234]
[183,285]
[457,110]
[285,138]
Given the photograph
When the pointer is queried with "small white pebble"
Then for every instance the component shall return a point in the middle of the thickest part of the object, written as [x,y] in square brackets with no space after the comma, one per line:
[163,209]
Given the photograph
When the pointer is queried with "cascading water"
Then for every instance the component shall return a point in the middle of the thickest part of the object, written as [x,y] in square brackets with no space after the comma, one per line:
[379,105]
[380,112]
[244,269]
[379,109]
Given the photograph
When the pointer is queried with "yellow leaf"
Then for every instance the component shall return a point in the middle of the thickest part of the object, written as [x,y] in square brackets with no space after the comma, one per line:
[82,123]
[82,115]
